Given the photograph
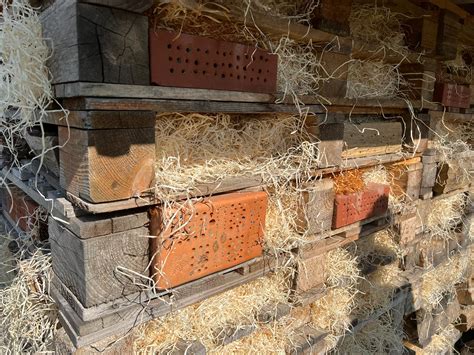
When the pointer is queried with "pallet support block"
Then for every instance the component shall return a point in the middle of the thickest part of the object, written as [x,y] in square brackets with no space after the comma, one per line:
[106,165]
[333,17]
[315,214]
[96,44]
[88,267]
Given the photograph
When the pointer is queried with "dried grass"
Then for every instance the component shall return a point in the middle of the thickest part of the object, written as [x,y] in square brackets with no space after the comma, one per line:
[348,182]
[373,80]
[377,291]
[445,215]
[380,336]
[28,314]
[25,89]
[442,280]
[205,322]
[332,312]
[443,342]
[378,26]
[274,338]
[196,149]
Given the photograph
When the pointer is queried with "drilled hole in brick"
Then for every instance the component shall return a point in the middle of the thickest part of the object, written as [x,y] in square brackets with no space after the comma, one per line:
[206,51]
[196,62]
[170,59]
[231,75]
[230,65]
[207,63]
[223,76]
[178,48]
[188,50]
[169,46]
[204,72]
[224,54]
[171,70]
[186,60]
[199,49]
[245,68]
[238,77]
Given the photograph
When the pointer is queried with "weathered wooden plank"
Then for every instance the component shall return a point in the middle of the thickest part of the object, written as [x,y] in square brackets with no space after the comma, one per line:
[90,226]
[96,43]
[88,266]
[58,206]
[111,93]
[380,137]
[101,119]
[106,165]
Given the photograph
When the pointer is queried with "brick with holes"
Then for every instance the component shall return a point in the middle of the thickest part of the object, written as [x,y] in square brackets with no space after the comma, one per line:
[196,239]
[354,207]
[183,60]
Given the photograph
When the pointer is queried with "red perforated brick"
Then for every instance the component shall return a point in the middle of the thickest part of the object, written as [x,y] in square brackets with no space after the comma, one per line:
[21,209]
[190,61]
[209,236]
[453,95]
[351,208]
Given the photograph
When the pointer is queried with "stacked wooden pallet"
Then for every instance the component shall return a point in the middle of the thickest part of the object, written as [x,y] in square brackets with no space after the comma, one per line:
[112,73]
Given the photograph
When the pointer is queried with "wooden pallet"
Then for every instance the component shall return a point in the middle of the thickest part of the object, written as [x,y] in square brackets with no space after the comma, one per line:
[120,316]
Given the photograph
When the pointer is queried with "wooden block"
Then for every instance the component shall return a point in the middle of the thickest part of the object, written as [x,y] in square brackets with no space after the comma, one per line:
[428,177]
[407,230]
[374,138]
[88,267]
[331,144]
[336,66]
[406,180]
[421,33]
[96,44]
[315,215]
[106,165]
[311,273]
[416,132]
[450,178]
[332,17]
[449,27]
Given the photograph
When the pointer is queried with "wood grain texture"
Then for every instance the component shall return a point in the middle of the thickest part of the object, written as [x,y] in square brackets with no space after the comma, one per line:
[101,119]
[380,137]
[96,43]
[106,165]
[88,267]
